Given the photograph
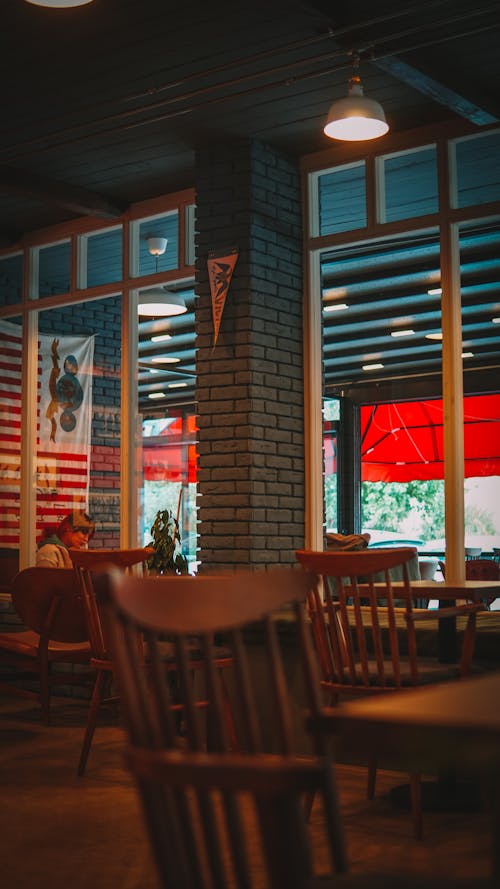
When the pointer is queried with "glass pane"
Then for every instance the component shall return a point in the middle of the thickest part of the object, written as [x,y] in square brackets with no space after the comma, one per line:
[166,384]
[169,466]
[10,446]
[480,288]
[411,185]
[54,269]
[104,258]
[159,227]
[11,279]
[331,416]
[78,454]
[382,336]
[478,169]
[342,199]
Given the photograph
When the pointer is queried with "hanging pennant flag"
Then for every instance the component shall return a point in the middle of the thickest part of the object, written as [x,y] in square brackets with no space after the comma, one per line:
[220,271]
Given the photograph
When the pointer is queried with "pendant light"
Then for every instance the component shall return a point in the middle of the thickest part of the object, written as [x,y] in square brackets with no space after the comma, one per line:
[159,303]
[355,118]
[59,4]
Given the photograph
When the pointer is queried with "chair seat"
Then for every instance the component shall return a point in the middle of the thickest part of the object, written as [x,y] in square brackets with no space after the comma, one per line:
[25,643]
[428,672]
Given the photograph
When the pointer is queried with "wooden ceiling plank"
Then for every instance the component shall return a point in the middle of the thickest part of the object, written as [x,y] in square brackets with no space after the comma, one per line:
[79,200]
[437,91]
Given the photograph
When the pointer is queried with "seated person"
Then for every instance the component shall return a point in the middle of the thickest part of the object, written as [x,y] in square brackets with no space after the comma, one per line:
[73,532]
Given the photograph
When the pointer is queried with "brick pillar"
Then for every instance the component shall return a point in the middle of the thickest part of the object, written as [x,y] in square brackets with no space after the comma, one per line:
[250,386]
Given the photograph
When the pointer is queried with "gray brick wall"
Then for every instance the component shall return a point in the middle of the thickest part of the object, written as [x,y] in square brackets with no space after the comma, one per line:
[250,386]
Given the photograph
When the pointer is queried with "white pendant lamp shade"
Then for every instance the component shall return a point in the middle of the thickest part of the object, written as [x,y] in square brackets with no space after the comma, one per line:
[161,304]
[157,246]
[355,118]
[59,4]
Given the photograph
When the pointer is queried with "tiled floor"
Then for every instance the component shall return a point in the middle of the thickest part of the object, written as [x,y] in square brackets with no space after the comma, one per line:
[65,832]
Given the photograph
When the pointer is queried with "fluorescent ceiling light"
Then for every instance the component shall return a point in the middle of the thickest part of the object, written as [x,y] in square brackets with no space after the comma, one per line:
[335,307]
[372,366]
[161,338]
[164,359]
[434,336]
[496,320]
[467,354]
[397,333]
[177,385]
[156,395]
[436,291]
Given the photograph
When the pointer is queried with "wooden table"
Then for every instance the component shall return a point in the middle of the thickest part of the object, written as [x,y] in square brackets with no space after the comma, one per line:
[447,592]
[453,725]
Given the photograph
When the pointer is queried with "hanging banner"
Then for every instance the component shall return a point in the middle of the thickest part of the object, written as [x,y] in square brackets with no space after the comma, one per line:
[64,422]
[220,271]
[64,413]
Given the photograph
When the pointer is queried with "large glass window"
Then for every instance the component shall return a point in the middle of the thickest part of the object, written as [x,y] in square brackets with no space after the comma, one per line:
[11,279]
[51,270]
[410,184]
[477,165]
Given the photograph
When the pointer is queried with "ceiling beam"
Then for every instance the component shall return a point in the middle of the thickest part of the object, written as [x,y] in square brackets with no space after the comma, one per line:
[436,90]
[81,201]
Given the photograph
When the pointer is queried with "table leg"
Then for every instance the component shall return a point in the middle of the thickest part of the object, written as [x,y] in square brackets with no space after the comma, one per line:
[447,637]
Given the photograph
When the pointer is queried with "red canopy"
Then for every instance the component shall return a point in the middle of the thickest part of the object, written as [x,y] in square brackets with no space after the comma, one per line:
[404,442]
[175,460]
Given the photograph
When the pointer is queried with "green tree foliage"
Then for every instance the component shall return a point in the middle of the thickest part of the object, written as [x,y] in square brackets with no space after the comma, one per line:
[414,508]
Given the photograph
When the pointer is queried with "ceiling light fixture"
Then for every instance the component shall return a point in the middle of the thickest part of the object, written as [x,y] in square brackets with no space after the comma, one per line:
[495,320]
[335,307]
[161,337]
[396,333]
[164,359]
[434,336]
[372,366]
[156,247]
[156,395]
[159,303]
[355,118]
[59,4]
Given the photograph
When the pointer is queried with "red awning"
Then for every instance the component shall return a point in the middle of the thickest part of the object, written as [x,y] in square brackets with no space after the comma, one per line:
[175,459]
[404,442]
[171,463]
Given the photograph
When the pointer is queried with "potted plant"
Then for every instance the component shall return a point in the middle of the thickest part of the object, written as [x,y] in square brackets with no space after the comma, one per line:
[167,557]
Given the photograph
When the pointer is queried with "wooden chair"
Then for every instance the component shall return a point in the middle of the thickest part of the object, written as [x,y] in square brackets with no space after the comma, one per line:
[482,569]
[87,563]
[219,818]
[49,605]
[366,637]
[191,796]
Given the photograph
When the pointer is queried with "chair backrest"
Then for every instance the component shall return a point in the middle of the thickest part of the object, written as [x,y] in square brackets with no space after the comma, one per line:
[482,569]
[192,797]
[358,619]
[89,562]
[48,601]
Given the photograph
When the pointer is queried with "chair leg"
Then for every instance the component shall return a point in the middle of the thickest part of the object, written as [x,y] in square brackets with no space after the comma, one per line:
[416,804]
[372,776]
[98,693]
[44,685]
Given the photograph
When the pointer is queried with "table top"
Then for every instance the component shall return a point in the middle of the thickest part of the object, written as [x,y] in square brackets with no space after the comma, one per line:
[430,725]
[446,589]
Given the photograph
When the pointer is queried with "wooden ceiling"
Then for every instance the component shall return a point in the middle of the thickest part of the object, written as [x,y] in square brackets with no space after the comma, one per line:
[106,104]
